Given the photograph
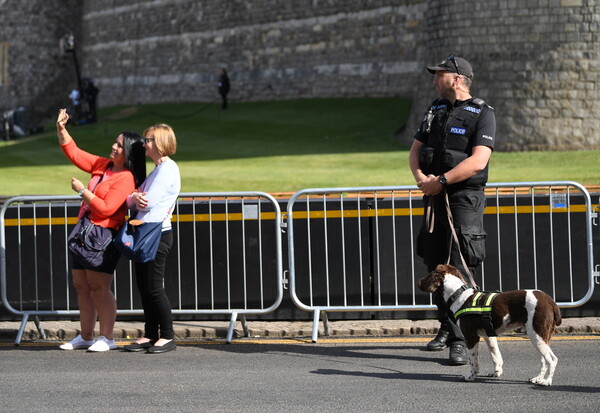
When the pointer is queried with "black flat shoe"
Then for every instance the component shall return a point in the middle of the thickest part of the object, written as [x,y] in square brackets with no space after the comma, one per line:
[134,347]
[169,346]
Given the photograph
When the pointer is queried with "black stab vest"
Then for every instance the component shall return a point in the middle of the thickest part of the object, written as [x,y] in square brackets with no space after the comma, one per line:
[449,132]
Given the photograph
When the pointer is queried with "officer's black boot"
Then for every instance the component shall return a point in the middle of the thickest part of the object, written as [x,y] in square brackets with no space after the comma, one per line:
[458,354]
[439,342]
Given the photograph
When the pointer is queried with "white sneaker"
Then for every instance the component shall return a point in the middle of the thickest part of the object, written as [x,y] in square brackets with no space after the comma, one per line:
[77,343]
[103,344]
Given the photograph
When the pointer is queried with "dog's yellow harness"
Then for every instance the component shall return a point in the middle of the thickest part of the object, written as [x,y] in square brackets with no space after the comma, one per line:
[480,304]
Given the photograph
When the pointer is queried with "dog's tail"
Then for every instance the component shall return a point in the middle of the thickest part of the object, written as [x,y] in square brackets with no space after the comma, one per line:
[557,316]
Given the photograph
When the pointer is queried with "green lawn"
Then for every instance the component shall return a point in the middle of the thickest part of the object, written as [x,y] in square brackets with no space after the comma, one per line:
[269,146]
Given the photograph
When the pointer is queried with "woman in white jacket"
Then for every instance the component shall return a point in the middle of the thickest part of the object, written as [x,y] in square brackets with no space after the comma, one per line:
[154,202]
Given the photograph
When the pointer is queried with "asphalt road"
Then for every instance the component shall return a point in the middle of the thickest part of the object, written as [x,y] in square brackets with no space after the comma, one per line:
[337,375]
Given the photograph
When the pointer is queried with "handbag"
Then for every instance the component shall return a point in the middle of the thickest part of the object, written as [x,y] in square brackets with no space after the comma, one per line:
[138,240]
[91,243]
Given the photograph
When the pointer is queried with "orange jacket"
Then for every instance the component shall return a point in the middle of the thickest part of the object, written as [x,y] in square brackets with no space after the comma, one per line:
[108,208]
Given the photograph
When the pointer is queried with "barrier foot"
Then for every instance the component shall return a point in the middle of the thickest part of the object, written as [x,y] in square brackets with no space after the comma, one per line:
[40,329]
[325,323]
[315,329]
[21,329]
[245,325]
[231,326]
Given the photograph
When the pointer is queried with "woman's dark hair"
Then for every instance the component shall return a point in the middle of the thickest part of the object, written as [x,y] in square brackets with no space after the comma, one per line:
[135,156]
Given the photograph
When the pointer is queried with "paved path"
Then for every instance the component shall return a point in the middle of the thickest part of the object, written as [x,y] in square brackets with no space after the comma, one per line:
[376,374]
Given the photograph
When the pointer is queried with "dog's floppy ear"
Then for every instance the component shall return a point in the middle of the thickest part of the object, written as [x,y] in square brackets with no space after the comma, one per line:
[450,269]
[432,281]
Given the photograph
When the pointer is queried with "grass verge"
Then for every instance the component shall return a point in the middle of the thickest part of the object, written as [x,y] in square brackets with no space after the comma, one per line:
[270,146]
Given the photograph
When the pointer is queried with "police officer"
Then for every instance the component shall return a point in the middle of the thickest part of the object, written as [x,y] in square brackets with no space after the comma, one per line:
[450,155]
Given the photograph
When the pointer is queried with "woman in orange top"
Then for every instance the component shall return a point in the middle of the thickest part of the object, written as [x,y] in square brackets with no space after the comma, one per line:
[112,180]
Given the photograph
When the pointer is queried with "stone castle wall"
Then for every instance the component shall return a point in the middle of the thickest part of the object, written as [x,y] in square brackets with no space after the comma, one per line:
[341,48]
[536,61]
[38,74]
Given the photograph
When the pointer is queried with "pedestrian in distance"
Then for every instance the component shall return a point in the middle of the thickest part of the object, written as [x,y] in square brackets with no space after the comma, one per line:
[112,181]
[90,93]
[75,109]
[223,86]
[449,159]
[154,201]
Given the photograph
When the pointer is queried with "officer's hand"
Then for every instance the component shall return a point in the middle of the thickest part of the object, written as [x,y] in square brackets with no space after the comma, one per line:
[430,185]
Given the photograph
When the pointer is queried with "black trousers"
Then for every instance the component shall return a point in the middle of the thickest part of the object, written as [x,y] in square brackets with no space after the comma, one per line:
[467,207]
[223,100]
[150,276]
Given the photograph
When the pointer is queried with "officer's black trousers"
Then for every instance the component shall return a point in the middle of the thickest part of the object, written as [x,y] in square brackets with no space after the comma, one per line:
[467,207]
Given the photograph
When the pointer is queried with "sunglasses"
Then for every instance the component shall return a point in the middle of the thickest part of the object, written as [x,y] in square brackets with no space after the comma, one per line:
[452,59]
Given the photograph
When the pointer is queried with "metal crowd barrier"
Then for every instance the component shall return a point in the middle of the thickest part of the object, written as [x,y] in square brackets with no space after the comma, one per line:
[226,258]
[349,249]
[353,249]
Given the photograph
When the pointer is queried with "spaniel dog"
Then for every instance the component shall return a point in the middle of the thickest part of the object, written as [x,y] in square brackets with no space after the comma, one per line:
[488,315]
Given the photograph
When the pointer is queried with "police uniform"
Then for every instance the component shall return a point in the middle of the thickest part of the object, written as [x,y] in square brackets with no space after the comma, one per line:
[448,134]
